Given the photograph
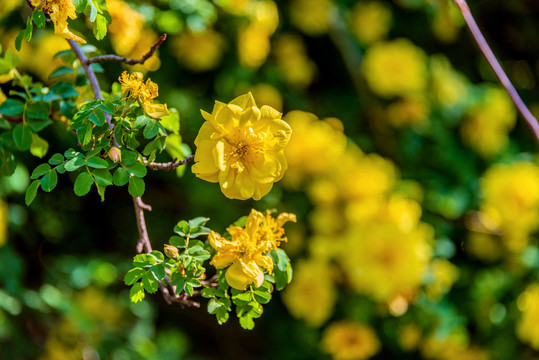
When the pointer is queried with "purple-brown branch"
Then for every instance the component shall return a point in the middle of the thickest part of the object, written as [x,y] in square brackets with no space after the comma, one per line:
[495,65]
[171,165]
[116,58]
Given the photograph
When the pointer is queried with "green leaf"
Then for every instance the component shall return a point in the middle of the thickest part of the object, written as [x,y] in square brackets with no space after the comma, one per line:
[31,192]
[222,315]
[198,221]
[247,322]
[40,170]
[18,40]
[178,280]
[39,18]
[128,157]
[56,159]
[189,289]
[11,107]
[177,241]
[136,187]
[136,294]
[74,163]
[182,228]
[102,177]
[38,110]
[83,184]
[151,130]
[121,177]
[100,27]
[29,29]
[213,305]
[49,181]
[243,297]
[137,169]
[97,162]
[133,275]
[80,5]
[172,121]
[39,146]
[143,260]
[62,70]
[262,297]
[97,118]
[141,121]
[150,283]
[158,271]
[93,11]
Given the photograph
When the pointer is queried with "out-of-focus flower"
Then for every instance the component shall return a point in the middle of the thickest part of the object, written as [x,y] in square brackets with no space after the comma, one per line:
[407,112]
[253,45]
[292,60]
[409,337]
[7,6]
[382,261]
[3,220]
[395,68]
[370,21]
[268,95]
[126,26]
[246,252]
[345,340]
[511,201]
[242,147]
[133,86]
[441,276]
[314,146]
[311,295]
[264,13]
[59,11]
[484,246]
[447,22]
[528,324]
[450,87]
[313,17]
[199,51]
[488,123]
[147,39]
[3,97]
[452,346]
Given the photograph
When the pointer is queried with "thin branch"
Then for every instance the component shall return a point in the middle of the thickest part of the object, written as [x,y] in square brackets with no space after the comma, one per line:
[116,58]
[495,65]
[168,165]
[29,2]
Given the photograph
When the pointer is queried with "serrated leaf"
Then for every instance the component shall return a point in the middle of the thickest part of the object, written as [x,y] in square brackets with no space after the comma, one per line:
[49,181]
[178,280]
[137,169]
[136,294]
[121,177]
[136,187]
[100,27]
[31,192]
[83,184]
[97,163]
[40,170]
[133,275]
[22,137]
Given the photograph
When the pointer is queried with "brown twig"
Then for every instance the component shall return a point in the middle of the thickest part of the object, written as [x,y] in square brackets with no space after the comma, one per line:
[116,58]
[168,165]
[495,65]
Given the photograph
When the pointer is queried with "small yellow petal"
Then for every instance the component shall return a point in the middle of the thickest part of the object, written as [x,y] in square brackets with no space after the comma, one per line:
[236,277]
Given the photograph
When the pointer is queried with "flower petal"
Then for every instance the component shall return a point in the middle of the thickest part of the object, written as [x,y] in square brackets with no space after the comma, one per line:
[236,277]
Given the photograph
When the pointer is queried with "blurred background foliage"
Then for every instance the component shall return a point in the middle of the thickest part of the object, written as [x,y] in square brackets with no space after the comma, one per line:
[417,193]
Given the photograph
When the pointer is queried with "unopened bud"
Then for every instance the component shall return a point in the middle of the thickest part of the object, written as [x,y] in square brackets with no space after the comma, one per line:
[115,154]
[171,251]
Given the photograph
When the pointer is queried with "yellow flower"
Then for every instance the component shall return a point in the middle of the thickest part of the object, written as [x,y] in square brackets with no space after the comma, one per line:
[199,51]
[370,21]
[409,337]
[242,147]
[147,39]
[312,295]
[292,60]
[409,111]
[268,95]
[395,68]
[253,45]
[313,17]
[450,87]
[7,6]
[125,28]
[59,11]
[441,276]
[134,87]
[345,340]
[528,324]
[246,252]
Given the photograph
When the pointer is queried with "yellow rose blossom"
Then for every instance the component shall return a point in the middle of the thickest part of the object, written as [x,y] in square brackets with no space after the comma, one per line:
[395,68]
[125,28]
[59,11]
[245,254]
[345,340]
[253,45]
[370,21]
[313,17]
[133,86]
[528,323]
[242,147]
[199,51]
[312,295]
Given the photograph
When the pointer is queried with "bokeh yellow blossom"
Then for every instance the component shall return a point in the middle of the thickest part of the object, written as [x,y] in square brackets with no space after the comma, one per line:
[311,296]
[133,86]
[452,346]
[395,68]
[450,87]
[370,21]
[292,60]
[408,111]
[346,340]
[147,39]
[266,94]
[246,253]
[4,220]
[313,17]
[409,337]
[313,147]
[528,323]
[487,124]
[59,11]
[253,45]
[7,6]
[199,51]
[125,28]
[242,147]
[441,276]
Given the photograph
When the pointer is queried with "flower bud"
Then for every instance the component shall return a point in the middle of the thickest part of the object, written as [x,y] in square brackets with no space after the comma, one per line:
[115,154]
[171,251]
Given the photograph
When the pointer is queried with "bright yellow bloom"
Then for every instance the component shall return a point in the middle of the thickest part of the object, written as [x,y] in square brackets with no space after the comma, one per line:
[370,21]
[242,147]
[395,68]
[450,87]
[292,60]
[345,340]
[528,324]
[268,95]
[125,28]
[312,295]
[313,17]
[199,51]
[245,254]
[253,45]
[59,11]
[133,86]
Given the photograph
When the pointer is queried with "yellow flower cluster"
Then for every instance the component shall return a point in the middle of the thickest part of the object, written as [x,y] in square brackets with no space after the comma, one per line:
[133,87]
[346,340]
[199,51]
[242,147]
[313,17]
[510,205]
[246,253]
[370,21]
[59,11]
[292,60]
[528,324]
[450,88]
[487,124]
[395,68]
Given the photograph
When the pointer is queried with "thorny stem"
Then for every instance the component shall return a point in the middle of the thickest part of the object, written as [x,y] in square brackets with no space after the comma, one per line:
[168,165]
[116,58]
[495,65]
